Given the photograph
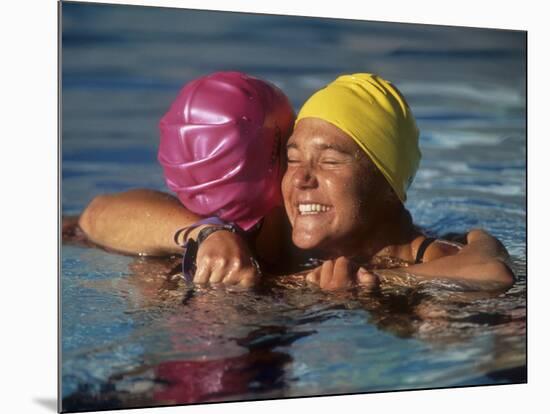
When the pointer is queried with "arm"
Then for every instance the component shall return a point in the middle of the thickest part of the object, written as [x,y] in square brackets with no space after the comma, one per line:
[136,222]
[145,221]
[483,259]
[481,263]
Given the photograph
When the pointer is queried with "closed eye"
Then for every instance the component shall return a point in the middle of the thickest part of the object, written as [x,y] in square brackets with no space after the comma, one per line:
[292,156]
[331,161]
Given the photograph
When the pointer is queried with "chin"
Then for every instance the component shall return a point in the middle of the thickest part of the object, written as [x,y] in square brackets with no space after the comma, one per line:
[305,242]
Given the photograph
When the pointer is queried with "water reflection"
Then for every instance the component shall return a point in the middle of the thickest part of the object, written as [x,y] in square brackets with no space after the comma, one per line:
[216,346]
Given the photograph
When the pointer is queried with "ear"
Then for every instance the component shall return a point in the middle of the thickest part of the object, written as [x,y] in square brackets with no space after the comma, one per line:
[387,194]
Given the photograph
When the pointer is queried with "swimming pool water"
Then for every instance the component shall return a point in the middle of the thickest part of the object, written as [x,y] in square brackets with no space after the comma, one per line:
[126,337]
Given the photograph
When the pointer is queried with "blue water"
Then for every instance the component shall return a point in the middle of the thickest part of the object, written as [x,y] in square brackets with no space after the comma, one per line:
[126,338]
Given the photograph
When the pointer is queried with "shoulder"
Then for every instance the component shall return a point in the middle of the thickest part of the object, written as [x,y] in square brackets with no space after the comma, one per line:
[144,194]
[476,242]
[426,249]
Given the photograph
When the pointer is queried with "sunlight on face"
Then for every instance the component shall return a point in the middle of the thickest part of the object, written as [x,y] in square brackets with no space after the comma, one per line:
[329,187]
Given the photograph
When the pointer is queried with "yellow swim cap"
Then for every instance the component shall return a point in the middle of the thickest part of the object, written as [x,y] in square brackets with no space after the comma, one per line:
[375,114]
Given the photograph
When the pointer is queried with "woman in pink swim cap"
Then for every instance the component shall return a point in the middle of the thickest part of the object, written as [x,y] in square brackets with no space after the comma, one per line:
[222,144]
[221,148]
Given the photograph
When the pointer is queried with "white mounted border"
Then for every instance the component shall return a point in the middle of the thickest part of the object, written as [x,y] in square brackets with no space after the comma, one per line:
[474,13]
[29,204]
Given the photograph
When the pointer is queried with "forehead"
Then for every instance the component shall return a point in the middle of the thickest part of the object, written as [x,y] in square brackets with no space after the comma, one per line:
[317,134]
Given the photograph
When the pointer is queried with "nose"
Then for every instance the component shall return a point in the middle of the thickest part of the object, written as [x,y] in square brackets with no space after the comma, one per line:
[304,177]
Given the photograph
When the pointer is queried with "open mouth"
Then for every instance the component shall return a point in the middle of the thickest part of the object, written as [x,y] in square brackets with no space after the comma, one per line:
[312,208]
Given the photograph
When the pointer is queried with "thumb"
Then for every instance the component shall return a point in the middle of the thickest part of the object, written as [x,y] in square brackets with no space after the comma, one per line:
[366,278]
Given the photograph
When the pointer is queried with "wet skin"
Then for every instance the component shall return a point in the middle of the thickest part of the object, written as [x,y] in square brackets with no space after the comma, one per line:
[331,189]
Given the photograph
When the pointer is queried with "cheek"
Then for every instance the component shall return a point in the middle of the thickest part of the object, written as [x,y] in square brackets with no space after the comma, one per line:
[368,195]
[285,188]
[350,196]
[343,187]
[348,202]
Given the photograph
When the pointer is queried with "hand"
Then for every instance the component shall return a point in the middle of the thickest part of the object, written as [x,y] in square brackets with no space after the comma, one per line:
[71,233]
[341,273]
[224,257]
[69,226]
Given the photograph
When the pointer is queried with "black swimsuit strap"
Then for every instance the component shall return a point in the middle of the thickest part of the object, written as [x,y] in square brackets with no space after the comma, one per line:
[422,249]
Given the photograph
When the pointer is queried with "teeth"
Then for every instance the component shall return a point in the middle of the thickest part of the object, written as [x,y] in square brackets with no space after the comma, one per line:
[312,208]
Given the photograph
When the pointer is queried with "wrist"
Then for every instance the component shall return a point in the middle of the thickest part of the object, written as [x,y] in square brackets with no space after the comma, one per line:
[191,238]
[204,233]
[186,233]
[194,234]
[182,236]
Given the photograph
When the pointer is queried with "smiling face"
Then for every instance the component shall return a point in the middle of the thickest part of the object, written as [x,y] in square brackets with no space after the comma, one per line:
[331,189]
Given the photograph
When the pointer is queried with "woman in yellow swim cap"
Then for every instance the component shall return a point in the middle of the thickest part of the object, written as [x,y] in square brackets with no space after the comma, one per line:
[351,158]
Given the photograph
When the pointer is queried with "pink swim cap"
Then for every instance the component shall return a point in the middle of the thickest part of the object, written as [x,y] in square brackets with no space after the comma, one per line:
[220,146]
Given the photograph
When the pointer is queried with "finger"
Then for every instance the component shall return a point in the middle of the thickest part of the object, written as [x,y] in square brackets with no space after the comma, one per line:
[343,274]
[245,280]
[326,273]
[236,272]
[367,279]
[202,273]
[219,271]
[249,279]
[314,277]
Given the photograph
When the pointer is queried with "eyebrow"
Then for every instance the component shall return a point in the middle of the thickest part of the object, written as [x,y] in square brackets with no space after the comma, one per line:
[323,147]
